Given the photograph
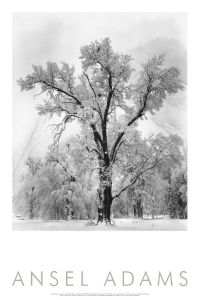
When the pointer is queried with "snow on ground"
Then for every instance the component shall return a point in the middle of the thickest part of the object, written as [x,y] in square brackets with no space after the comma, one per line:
[120,225]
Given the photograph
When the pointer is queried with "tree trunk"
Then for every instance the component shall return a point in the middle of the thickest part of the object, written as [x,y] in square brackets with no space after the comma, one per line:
[135,210]
[153,212]
[31,210]
[127,207]
[61,214]
[141,212]
[139,209]
[105,195]
[32,199]
[107,203]
[57,213]
[31,213]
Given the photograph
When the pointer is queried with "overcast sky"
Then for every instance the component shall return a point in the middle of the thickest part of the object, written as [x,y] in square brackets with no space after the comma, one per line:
[39,37]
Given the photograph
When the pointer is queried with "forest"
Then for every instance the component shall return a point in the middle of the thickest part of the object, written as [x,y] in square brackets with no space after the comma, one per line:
[108,169]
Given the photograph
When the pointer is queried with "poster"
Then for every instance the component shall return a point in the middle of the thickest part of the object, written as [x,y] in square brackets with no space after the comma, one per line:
[50,260]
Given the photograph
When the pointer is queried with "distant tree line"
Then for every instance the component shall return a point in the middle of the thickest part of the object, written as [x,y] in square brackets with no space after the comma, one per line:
[59,187]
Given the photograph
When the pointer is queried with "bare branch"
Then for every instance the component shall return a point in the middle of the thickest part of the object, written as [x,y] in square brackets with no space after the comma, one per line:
[96,134]
[117,149]
[39,94]
[95,150]
[90,84]
[64,92]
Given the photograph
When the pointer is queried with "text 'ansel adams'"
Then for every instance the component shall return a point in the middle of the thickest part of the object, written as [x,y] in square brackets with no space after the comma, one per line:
[127,279]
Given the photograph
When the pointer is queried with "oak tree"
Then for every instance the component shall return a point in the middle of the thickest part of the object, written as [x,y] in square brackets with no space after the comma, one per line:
[94,97]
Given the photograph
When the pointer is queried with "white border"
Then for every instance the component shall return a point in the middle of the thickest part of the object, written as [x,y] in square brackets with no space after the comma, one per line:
[136,252]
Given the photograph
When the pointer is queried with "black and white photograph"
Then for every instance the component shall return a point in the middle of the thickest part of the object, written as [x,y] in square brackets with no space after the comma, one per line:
[99,150]
[99,121]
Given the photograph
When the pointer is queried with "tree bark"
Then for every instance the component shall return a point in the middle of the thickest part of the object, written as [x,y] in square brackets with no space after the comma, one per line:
[107,203]
[105,195]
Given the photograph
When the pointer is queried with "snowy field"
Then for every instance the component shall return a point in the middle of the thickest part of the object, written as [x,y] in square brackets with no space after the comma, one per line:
[119,225]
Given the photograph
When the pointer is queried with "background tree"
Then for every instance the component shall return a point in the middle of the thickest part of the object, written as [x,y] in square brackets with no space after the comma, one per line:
[176,198]
[34,165]
[96,94]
